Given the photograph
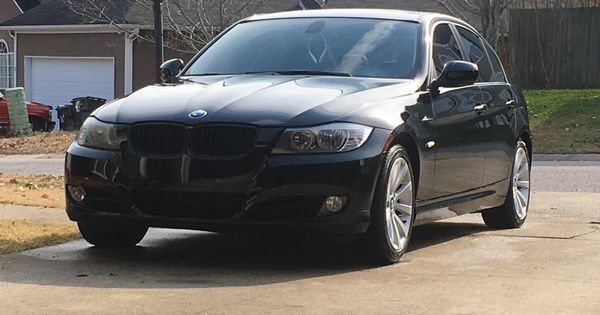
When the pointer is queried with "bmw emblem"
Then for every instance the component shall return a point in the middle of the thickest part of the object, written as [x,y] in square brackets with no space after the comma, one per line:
[198,114]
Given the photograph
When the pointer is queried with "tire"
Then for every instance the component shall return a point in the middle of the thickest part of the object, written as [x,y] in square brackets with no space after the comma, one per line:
[37,124]
[388,239]
[112,234]
[513,212]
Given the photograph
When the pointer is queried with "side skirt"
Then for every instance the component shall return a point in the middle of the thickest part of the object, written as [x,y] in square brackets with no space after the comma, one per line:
[475,200]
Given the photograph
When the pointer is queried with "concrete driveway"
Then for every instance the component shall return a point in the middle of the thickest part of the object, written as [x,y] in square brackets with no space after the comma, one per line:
[552,265]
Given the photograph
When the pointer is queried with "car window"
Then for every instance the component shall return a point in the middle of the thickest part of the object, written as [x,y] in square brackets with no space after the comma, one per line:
[476,53]
[360,47]
[497,71]
[445,47]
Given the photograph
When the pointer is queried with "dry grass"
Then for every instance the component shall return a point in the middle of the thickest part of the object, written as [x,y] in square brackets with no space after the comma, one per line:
[37,143]
[20,235]
[40,191]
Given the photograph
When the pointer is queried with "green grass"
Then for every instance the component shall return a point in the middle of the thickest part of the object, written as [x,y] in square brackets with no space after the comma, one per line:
[565,121]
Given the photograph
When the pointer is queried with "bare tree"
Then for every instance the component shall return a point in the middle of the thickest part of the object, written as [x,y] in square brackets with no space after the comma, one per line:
[491,12]
[188,24]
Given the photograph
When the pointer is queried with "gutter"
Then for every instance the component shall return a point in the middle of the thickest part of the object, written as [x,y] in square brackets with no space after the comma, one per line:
[85,28]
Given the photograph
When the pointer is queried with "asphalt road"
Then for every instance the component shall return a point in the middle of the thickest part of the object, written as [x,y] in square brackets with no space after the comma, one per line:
[559,176]
[40,164]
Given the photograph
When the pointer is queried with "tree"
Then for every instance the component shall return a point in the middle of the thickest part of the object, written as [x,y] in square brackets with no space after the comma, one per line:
[188,24]
[491,12]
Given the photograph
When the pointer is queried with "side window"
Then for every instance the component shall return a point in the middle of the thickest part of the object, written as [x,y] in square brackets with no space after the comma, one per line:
[476,53]
[445,47]
[498,72]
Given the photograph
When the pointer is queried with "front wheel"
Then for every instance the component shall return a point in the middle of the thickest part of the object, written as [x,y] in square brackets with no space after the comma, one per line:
[514,211]
[112,234]
[392,215]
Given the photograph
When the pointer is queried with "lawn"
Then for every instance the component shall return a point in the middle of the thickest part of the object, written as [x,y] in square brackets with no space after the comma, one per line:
[565,121]
[55,142]
[19,235]
[36,190]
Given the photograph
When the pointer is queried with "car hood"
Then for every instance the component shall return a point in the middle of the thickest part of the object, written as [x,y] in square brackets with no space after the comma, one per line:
[264,100]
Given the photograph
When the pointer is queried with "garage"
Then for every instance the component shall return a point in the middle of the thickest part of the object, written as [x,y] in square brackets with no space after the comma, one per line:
[56,81]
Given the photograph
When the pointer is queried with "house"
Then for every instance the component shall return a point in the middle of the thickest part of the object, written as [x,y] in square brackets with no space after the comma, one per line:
[60,54]
[8,10]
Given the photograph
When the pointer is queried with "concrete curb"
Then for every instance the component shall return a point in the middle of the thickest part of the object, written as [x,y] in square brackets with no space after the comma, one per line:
[567,157]
[31,156]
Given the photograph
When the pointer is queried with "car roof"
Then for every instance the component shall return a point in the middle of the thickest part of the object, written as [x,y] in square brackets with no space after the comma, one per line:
[413,16]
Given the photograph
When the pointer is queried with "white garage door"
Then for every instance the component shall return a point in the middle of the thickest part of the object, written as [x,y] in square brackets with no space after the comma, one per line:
[56,81]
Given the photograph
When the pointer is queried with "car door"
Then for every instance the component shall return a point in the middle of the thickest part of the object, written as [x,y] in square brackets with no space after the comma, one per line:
[498,99]
[459,147]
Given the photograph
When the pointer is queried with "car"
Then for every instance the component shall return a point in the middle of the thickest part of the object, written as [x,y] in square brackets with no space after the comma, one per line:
[346,121]
[40,115]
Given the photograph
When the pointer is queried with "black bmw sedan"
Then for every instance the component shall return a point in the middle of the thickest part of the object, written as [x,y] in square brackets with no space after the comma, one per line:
[346,121]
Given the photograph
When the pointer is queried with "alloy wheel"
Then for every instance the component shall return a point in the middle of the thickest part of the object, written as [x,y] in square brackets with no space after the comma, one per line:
[520,183]
[399,204]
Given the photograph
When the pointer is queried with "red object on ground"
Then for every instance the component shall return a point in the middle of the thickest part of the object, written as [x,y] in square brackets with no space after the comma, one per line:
[40,115]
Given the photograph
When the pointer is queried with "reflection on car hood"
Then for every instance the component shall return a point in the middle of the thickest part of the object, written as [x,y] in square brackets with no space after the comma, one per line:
[254,99]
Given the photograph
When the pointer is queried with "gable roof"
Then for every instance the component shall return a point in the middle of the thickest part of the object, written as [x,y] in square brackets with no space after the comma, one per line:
[57,12]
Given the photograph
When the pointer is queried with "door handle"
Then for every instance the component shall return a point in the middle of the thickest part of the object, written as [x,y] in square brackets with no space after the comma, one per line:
[480,108]
[511,103]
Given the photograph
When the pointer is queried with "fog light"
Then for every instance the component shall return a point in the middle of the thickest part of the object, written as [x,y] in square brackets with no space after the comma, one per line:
[333,204]
[77,193]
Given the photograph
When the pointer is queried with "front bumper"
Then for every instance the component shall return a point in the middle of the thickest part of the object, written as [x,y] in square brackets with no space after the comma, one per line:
[253,191]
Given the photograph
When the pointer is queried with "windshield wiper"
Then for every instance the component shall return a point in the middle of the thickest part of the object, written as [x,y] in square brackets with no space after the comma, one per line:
[303,72]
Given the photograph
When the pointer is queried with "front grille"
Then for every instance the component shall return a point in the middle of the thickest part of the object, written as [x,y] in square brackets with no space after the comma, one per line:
[189,205]
[157,139]
[222,140]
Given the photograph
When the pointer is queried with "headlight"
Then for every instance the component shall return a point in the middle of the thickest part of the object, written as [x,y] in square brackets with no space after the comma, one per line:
[336,137]
[96,134]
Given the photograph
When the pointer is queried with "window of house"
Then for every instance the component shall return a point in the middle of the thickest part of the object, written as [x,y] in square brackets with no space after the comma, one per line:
[477,54]
[445,47]
[3,47]
[7,66]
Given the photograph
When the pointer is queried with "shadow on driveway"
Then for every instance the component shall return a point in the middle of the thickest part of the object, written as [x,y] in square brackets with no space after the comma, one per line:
[184,259]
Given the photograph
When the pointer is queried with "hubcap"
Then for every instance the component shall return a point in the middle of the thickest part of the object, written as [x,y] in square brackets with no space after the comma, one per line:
[399,209]
[520,183]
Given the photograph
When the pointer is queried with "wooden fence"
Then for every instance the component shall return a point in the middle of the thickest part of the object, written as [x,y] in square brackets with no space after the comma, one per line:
[555,48]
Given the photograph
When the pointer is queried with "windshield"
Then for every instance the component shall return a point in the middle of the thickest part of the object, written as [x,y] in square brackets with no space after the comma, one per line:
[319,46]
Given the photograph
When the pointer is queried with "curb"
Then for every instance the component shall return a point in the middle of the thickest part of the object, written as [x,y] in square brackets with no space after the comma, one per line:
[567,157]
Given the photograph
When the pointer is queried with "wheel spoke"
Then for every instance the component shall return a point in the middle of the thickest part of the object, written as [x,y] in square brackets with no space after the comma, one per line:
[401,226]
[405,209]
[407,187]
[400,173]
[520,170]
[523,184]
[522,199]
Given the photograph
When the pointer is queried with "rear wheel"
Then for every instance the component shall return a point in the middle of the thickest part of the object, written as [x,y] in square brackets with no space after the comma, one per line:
[112,234]
[392,215]
[38,124]
[514,211]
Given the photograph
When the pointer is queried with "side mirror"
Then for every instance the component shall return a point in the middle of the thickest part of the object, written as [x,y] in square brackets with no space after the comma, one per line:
[170,69]
[456,74]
